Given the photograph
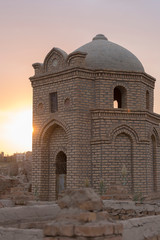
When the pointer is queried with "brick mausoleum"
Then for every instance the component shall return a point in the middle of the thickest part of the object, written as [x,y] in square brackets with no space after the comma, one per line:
[93,119]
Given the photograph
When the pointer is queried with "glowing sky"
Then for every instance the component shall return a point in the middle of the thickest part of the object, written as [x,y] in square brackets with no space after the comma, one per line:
[30,28]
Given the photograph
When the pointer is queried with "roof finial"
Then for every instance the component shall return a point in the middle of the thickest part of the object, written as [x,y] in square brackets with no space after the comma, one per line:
[100,37]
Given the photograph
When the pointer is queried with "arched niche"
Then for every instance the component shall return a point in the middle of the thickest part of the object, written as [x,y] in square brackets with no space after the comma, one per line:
[55,59]
[123,163]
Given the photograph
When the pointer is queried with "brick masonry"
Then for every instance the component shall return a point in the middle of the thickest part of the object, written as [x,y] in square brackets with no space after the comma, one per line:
[97,139]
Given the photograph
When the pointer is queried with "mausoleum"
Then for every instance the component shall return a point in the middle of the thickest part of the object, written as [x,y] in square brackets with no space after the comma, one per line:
[93,120]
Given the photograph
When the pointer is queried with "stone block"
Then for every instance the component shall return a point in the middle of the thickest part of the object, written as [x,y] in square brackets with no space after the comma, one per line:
[50,230]
[103,215]
[94,229]
[67,230]
[118,228]
[150,213]
[87,217]
[19,234]
[59,229]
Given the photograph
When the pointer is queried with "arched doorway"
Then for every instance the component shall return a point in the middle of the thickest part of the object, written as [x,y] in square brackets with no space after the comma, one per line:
[61,172]
[54,139]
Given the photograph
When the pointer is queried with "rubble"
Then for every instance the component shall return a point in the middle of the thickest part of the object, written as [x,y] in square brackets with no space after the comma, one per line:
[6,183]
[82,216]
[16,184]
[122,210]
[84,198]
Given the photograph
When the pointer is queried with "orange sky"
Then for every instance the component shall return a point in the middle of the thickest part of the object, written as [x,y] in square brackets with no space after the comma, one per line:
[30,28]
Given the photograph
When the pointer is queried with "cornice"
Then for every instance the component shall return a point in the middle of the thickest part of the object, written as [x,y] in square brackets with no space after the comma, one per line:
[88,74]
[125,114]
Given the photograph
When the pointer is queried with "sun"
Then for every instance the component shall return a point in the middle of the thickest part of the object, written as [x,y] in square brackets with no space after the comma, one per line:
[19,131]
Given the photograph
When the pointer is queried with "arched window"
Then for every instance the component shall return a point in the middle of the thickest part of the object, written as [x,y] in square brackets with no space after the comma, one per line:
[147,100]
[120,97]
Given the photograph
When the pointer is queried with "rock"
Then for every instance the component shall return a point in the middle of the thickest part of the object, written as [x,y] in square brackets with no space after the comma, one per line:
[87,217]
[60,228]
[96,229]
[69,213]
[103,216]
[6,183]
[13,169]
[20,196]
[82,217]
[85,199]
[1,205]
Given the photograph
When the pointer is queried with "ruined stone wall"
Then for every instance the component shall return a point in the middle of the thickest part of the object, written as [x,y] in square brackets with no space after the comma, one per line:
[82,217]
[123,210]
[19,234]
[145,228]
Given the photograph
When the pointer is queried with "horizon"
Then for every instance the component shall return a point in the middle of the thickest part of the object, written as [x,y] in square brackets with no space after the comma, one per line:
[28,34]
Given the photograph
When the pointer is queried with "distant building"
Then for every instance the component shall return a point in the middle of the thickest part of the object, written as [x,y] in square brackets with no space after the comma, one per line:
[20,157]
[93,119]
[2,156]
[29,156]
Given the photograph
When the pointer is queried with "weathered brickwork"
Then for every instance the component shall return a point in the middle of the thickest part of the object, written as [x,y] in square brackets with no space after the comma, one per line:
[97,139]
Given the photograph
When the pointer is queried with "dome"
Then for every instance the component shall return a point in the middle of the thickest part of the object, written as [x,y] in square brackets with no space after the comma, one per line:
[103,54]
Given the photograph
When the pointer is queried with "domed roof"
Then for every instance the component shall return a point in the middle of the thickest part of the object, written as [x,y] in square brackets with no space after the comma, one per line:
[103,54]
